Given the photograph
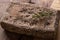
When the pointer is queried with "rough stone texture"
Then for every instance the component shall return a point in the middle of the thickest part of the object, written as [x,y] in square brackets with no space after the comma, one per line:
[20,1]
[3,6]
[45,33]
[43,3]
[23,16]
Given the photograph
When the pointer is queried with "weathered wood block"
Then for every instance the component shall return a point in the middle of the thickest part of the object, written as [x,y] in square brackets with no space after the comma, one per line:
[32,20]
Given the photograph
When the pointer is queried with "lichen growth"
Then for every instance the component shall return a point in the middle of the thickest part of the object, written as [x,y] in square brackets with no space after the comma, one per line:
[42,14]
